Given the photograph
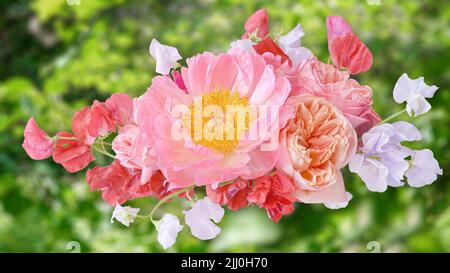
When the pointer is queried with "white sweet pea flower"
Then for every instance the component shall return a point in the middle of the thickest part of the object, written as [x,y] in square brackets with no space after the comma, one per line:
[124,215]
[291,45]
[166,56]
[423,169]
[340,205]
[168,228]
[380,162]
[244,44]
[199,219]
[414,93]
[292,39]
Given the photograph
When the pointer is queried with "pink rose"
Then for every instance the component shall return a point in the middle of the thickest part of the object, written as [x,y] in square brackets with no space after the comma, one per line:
[132,151]
[316,143]
[326,81]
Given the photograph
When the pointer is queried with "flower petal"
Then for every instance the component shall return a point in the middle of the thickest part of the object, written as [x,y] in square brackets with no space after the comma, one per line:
[198,219]
[166,56]
[168,228]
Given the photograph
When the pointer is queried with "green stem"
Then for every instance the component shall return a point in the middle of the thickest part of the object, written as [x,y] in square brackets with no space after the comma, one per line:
[391,117]
[103,152]
[165,199]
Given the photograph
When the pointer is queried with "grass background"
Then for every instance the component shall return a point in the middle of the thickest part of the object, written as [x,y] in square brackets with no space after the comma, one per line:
[57,56]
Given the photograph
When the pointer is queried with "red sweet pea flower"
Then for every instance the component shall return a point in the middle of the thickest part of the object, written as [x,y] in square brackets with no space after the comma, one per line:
[259,22]
[346,49]
[37,143]
[80,122]
[233,194]
[101,122]
[120,105]
[268,45]
[119,184]
[275,193]
[72,154]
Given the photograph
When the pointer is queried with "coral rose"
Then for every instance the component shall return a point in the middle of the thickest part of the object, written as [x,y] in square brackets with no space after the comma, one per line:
[316,143]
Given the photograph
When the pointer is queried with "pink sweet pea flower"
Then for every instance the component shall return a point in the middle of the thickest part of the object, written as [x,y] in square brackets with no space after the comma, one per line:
[119,184]
[80,124]
[317,142]
[234,194]
[346,49]
[120,105]
[72,154]
[37,143]
[101,122]
[259,22]
[268,45]
[275,193]
[233,79]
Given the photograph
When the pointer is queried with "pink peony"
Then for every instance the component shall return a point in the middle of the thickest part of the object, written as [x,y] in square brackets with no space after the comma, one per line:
[132,151]
[326,81]
[259,22]
[234,194]
[72,154]
[317,142]
[237,79]
[37,143]
[275,193]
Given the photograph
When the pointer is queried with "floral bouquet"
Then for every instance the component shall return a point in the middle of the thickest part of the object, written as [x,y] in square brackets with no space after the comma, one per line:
[264,124]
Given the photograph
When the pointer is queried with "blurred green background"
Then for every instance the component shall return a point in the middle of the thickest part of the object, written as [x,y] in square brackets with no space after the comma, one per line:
[57,56]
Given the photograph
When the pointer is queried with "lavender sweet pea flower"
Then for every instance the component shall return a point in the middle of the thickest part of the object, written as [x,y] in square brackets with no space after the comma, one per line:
[423,169]
[414,93]
[381,162]
[291,45]
[199,219]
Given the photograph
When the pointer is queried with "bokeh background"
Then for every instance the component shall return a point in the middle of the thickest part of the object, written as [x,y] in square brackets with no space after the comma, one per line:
[57,56]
